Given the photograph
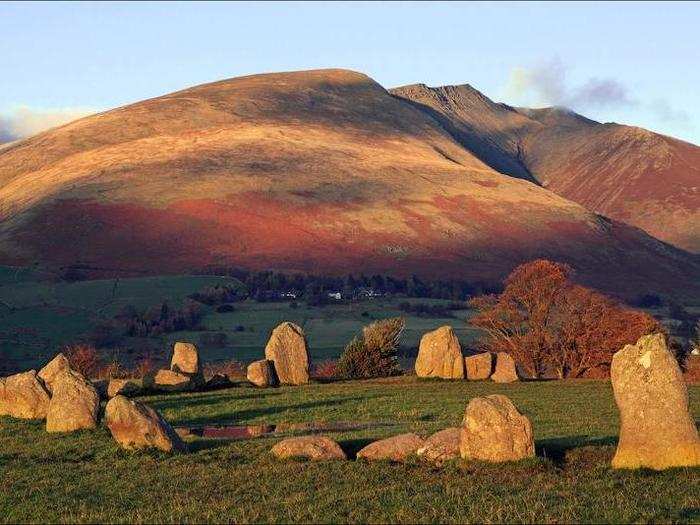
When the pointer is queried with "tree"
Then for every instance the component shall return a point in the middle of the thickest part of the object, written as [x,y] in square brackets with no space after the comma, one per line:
[374,353]
[549,324]
[516,321]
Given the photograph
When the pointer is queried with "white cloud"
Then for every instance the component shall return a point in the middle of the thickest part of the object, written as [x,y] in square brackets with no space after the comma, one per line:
[25,121]
[547,85]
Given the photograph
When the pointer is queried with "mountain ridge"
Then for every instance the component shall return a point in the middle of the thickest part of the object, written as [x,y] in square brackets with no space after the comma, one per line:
[320,171]
[629,173]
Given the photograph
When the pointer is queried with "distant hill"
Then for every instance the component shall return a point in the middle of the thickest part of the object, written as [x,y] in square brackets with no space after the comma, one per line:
[626,173]
[317,171]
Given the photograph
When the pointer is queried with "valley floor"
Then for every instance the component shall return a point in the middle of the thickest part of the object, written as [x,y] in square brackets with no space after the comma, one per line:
[85,477]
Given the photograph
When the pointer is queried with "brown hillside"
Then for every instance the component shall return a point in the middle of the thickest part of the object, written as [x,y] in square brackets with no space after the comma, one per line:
[630,174]
[319,171]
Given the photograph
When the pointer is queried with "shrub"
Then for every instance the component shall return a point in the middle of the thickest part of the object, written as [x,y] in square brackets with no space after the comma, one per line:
[143,367]
[113,370]
[217,294]
[374,353]
[83,358]
[547,323]
[325,370]
[231,369]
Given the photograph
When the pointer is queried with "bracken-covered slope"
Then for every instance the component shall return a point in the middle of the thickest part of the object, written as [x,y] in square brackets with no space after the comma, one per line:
[630,174]
[318,171]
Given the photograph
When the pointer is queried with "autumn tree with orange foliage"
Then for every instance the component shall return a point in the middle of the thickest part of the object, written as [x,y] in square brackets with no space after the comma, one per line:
[549,324]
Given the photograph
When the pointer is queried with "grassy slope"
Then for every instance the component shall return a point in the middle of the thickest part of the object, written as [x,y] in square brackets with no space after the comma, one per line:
[85,477]
[48,315]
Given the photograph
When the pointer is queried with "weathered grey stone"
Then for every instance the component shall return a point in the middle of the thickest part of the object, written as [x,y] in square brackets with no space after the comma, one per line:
[312,447]
[656,428]
[23,396]
[262,373]
[287,350]
[440,355]
[479,366]
[505,369]
[441,446]
[396,448]
[135,426]
[493,430]
[74,404]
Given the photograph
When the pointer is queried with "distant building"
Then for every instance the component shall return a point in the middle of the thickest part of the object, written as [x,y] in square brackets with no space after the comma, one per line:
[368,292]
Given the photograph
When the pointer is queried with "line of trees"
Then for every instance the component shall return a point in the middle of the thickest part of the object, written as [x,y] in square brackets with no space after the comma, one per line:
[309,286]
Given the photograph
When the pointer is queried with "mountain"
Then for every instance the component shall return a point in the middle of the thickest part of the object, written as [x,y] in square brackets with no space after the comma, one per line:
[317,171]
[630,174]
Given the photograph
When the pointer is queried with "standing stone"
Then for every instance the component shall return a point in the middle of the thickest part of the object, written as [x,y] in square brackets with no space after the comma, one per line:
[135,426]
[479,366]
[262,373]
[312,447]
[441,446]
[505,369]
[493,430]
[185,359]
[656,428]
[396,448]
[54,368]
[23,396]
[287,349]
[74,404]
[440,355]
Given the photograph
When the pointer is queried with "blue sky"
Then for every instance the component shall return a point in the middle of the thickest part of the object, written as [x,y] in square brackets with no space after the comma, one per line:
[635,63]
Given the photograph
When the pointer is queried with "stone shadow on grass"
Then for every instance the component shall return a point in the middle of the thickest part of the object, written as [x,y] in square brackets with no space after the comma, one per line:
[245,415]
[556,449]
[352,446]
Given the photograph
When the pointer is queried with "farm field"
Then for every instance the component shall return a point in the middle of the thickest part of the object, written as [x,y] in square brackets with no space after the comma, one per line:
[38,317]
[86,477]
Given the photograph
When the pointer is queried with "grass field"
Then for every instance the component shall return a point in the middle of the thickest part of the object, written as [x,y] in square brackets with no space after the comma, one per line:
[37,317]
[85,477]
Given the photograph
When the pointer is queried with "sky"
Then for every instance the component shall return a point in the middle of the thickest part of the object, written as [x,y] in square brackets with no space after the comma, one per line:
[633,63]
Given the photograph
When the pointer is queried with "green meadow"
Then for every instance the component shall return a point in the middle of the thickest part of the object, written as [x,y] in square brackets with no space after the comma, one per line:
[86,477]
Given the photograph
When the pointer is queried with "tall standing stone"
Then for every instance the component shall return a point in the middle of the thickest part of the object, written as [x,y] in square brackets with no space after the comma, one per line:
[440,355]
[74,404]
[287,350]
[505,369]
[23,396]
[656,428]
[493,430]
